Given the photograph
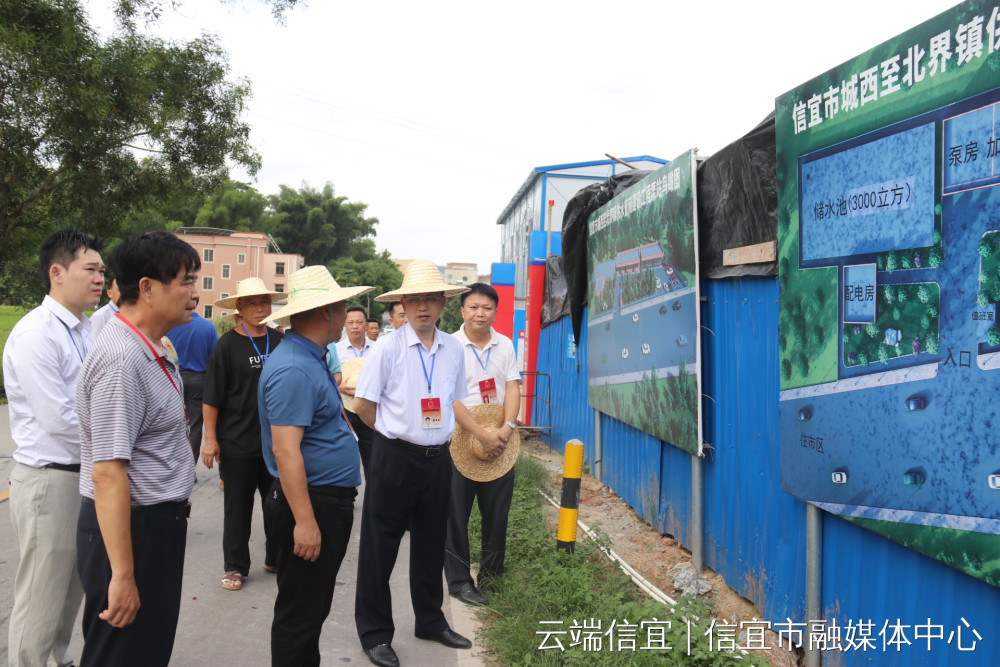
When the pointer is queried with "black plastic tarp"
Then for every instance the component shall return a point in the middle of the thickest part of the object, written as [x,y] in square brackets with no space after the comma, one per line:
[737,206]
[574,236]
[556,302]
[738,202]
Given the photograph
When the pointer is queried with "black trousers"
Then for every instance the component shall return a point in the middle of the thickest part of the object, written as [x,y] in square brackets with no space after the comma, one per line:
[365,437]
[494,499]
[159,535]
[244,478]
[404,486]
[305,589]
[194,387]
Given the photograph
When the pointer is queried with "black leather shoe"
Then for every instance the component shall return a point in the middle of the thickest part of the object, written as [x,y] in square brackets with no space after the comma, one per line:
[449,638]
[382,655]
[470,596]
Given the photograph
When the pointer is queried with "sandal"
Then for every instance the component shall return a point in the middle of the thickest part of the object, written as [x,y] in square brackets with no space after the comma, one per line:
[272,569]
[232,580]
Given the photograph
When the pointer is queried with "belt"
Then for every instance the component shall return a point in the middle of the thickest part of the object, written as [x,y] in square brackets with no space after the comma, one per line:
[180,509]
[424,450]
[65,467]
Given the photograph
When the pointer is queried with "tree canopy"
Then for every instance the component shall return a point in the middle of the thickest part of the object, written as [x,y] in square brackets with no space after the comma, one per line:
[91,129]
[320,225]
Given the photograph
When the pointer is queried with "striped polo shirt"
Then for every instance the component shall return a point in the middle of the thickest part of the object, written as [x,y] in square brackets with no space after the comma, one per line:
[129,410]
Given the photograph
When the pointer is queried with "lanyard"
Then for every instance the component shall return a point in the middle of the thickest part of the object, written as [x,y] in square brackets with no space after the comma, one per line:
[155,354]
[72,340]
[355,350]
[267,345]
[433,361]
[489,351]
[329,376]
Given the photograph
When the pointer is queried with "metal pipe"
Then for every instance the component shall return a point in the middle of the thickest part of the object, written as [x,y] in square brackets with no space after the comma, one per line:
[697,514]
[814,576]
[598,447]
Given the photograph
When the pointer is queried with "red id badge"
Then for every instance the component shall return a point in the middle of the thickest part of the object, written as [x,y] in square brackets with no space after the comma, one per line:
[488,390]
[430,412]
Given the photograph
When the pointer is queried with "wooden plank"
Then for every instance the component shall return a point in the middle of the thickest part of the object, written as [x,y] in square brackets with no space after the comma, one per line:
[750,254]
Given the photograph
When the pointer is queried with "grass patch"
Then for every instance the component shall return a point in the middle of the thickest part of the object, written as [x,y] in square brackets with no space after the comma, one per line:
[594,612]
[9,316]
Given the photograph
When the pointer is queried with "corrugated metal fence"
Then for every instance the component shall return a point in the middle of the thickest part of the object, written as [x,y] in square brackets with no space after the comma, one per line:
[754,533]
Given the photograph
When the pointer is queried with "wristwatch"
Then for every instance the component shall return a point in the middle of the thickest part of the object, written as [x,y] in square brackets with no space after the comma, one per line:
[511,424]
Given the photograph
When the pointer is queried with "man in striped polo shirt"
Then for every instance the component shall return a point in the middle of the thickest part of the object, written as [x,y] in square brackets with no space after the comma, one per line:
[136,470]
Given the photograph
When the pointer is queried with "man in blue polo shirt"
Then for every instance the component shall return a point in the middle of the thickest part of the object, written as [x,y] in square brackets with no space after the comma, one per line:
[194,342]
[310,450]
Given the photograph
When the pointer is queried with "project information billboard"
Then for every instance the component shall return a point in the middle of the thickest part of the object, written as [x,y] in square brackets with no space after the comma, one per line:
[643,319]
[889,269]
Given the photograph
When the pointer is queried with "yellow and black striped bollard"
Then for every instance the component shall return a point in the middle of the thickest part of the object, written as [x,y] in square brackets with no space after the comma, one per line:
[569,505]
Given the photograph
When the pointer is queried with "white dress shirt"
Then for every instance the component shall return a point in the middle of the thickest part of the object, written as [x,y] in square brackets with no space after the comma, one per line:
[499,359]
[394,378]
[347,351]
[101,317]
[41,360]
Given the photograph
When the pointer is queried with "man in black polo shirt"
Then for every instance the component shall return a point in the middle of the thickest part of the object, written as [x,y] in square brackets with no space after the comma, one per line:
[232,426]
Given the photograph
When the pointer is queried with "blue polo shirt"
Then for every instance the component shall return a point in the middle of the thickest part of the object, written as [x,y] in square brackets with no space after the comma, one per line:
[296,389]
[194,342]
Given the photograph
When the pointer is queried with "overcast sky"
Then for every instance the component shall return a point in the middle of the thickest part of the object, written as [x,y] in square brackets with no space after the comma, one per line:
[434,113]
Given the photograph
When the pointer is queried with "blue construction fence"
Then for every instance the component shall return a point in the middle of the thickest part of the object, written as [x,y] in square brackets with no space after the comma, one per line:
[755,534]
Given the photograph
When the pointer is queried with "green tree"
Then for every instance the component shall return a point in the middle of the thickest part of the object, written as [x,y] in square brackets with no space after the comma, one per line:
[320,225]
[451,318]
[92,129]
[994,335]
[379,272]
[235,206]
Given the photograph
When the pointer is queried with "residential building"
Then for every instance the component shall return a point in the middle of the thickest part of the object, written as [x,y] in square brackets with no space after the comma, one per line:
[228,257]
[460,273]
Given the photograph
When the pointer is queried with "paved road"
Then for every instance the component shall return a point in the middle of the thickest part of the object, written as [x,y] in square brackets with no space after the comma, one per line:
[222,628]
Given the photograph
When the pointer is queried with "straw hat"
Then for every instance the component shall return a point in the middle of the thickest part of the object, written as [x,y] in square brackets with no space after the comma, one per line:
[248,287]
[312,287]
[467,451]
[350,370]
[421,277]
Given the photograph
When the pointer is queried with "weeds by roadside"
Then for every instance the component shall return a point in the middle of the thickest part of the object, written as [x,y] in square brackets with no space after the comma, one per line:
[579,606]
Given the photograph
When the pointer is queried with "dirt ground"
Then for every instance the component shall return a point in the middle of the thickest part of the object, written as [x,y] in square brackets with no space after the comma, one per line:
[646,550]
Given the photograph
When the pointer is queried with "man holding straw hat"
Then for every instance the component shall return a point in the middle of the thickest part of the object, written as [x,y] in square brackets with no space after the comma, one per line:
[232,424]
[485,447]
[406,393]
[309,447]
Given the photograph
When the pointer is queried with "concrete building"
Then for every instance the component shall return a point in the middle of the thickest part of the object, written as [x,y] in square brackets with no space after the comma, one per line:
[228,257]
[461,273]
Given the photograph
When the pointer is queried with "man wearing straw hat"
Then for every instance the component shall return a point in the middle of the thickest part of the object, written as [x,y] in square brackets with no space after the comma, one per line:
[232,424]
[406,393]
[310,450]
[484,473]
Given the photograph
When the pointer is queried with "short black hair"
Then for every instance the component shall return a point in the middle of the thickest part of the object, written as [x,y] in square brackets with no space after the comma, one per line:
[159,256]
[392,306]
[484,289]
[358,309]
[372,319]
[61,248]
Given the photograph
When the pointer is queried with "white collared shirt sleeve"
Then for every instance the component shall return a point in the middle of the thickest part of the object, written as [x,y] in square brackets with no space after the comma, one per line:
[41,365]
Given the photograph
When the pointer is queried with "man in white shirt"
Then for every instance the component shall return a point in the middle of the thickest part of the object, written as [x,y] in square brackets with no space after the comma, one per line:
[491,376]
[41,360]
[355,346]
[406,392]
[397,316]
[104,314]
